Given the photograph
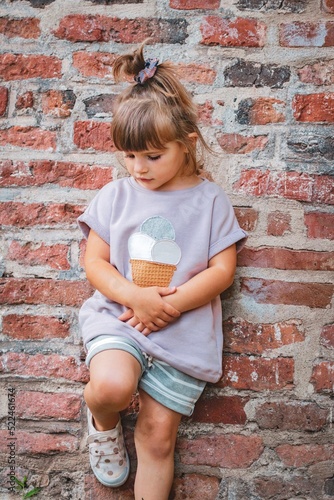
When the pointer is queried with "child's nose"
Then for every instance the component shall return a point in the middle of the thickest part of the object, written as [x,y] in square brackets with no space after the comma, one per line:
[140,165]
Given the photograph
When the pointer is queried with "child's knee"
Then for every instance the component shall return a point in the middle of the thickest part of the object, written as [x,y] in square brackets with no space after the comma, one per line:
[113,392]
[156,437]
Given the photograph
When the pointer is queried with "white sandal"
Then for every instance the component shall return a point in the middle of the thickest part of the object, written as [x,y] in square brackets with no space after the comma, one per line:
[107,454]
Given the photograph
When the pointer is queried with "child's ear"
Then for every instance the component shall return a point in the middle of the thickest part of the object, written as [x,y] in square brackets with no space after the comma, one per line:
[193,137]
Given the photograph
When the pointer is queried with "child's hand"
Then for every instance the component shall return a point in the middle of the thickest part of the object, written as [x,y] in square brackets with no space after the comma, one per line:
[149,312]
[132,320]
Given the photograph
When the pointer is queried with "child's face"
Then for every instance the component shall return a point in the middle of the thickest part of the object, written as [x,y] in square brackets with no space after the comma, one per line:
[160,170]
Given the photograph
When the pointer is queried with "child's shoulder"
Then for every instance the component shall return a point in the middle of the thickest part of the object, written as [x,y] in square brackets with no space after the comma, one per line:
[114,186]
[212,188]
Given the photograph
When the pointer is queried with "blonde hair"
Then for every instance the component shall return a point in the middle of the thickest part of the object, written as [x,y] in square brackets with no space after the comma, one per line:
[149,115]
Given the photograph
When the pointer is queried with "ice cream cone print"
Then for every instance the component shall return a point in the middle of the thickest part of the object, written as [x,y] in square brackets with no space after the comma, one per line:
[154,254]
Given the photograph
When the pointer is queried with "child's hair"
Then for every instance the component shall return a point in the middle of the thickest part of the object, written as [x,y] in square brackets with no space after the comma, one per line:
[149,114]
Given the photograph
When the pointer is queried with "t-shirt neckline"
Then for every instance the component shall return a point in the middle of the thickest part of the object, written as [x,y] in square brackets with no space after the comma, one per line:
[135,185]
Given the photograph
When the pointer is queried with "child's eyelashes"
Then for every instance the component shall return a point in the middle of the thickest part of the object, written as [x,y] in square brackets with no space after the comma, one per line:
[150,157]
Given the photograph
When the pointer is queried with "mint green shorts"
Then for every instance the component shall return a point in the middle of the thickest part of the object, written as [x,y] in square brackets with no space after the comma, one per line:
[167,385]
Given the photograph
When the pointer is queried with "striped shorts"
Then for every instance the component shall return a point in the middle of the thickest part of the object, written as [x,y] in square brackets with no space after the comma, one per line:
[167,385]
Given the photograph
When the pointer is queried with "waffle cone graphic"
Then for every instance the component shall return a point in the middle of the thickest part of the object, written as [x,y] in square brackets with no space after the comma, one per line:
[147,273]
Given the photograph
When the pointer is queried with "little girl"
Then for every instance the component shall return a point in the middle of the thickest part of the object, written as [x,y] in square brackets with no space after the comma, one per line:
[161,247]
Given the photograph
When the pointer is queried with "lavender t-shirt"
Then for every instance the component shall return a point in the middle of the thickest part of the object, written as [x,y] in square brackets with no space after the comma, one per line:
[183,229]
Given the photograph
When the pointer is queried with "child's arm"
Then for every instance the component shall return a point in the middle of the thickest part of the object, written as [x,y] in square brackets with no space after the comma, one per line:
[209,283]
[146,303]
[200,289]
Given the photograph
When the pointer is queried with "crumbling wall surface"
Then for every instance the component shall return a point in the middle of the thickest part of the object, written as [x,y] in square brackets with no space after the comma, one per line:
[262,72]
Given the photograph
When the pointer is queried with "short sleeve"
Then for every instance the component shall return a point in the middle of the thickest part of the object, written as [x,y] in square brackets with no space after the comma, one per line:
[225,227]
[97,216]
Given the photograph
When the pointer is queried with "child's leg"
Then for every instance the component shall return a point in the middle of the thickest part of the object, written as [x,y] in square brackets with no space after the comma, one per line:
[155,437]
[114,376]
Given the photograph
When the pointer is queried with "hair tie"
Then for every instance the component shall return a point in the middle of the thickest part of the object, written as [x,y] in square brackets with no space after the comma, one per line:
[148,71]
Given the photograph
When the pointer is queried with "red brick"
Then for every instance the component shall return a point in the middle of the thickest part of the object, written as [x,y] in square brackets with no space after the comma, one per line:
[247,218]
[307,34]
[243,337]
[197,73]
[28,137]
[291,416]
[3,100]
[291,185]
[327,336]
[37,214]
[283,258]
[44,366]
[25,28]
[323,191]
[194,4]
[319,225]
[314,107]
[231,451]
[93,135]
[58,103]
[318,73]
[25,101]
[98,64]
[43,291]
[261,111]
[40,443]
[257,374]
[96,28]
[241,144]
[205,112]
[276,487]
[35,405]
[54,256]
[303,455]
[81,28]
[21,67]
[28,327]
[66,174]
[323,376]
[279,223]
[220,410]
[328,6]
[237,32]
[314,295]
[196,487]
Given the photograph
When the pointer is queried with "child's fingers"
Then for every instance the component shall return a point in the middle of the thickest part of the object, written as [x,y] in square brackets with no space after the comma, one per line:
[146,331]
[126,315]
[148,326]
[171,311]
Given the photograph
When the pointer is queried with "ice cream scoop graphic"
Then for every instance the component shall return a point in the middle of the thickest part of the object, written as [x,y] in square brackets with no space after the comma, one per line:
[154,254]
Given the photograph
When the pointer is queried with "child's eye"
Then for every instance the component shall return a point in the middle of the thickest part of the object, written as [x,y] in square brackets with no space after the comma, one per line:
[128,156]
[154,158]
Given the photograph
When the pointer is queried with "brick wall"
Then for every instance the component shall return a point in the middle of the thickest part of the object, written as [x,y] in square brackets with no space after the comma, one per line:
[262,72]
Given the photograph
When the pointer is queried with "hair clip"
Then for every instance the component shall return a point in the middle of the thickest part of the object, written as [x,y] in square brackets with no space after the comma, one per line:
[148,71]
